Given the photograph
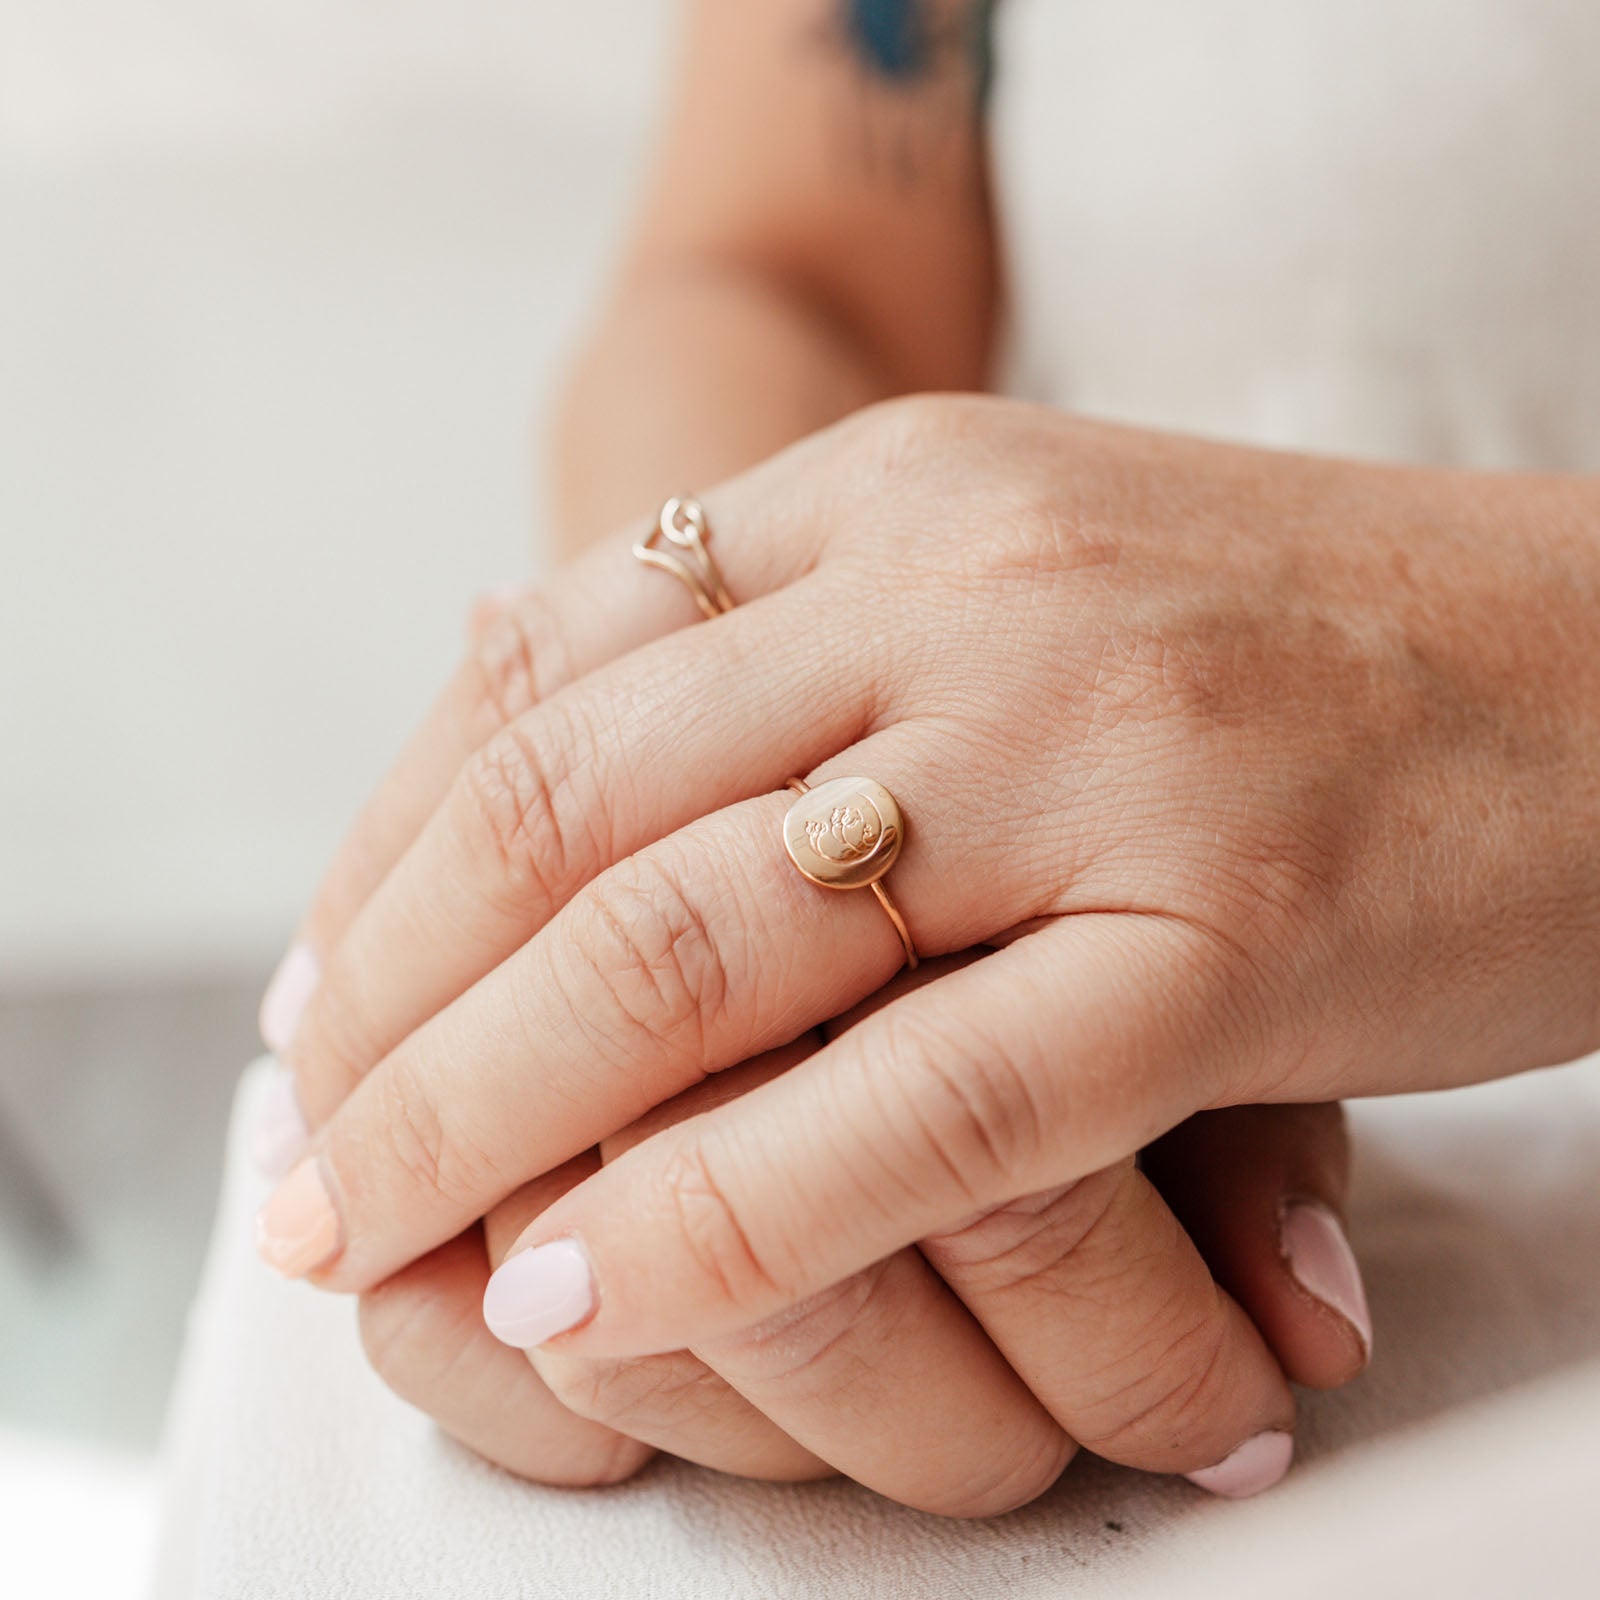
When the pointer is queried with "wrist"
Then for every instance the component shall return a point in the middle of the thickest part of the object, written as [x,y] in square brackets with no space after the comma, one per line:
[693,375]
[1543,596]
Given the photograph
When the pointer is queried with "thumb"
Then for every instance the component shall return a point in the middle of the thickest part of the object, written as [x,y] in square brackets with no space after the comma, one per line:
[1034,1066]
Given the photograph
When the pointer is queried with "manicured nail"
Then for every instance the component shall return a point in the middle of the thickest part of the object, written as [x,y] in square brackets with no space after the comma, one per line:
[1324,1265]
[298,1229]
[1256,1465]
[284,1003]
[539,1293]
[280,1131]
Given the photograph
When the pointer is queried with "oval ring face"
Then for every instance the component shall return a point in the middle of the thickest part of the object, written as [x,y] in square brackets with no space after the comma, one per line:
[845,833]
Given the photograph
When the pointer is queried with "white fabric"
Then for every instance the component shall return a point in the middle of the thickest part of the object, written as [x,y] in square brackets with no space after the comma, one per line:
[1352,226]
[1359,225]
[1463,1463]
[50,1491]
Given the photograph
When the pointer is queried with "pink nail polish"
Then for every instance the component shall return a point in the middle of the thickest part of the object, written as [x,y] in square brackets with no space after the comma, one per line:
[297,1229]
[539,1293]
[1256,1465]
[1323,1264]
[284,1003]
[280,1131]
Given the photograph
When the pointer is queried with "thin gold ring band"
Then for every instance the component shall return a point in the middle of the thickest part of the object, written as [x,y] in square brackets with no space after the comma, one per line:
[677,545]
[846,834]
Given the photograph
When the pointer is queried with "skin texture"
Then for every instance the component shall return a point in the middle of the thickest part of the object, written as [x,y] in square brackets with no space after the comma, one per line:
[808,217]
[1062,1273]
[876,275]
[1269,824]
[1226,768]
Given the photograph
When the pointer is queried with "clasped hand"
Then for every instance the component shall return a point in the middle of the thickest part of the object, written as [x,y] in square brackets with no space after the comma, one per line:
[1233,780]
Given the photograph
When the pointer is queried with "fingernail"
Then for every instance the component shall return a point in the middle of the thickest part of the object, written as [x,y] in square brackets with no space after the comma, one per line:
[280,1131]
[298,1229]
[1256,1465]
[285,1000]
[539,1293]
[1323,1264]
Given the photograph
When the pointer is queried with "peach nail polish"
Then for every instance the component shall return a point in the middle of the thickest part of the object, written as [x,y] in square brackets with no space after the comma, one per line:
[1324,1265]
[280,1132]
[1256,1465]
[539,1293]
[284,1003]
[298,1229]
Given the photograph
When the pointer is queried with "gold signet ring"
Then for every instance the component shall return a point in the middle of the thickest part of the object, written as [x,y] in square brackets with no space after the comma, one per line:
[846,834]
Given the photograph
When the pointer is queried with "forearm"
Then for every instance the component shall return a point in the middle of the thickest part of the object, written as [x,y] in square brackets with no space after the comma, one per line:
[817,234]
[693,375]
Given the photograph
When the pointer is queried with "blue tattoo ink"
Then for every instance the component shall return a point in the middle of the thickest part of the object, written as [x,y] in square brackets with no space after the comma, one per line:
[899,42]
[891,36]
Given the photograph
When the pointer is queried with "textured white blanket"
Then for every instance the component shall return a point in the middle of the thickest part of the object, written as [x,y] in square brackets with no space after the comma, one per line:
[1464,1464]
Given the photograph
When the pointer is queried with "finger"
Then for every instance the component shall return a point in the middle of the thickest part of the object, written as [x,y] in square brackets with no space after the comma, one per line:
[1034,1066]
[890,1379]
[886,1377]
[605,767]
[490,606]
[672,1401]
[1261,1190]
[687,957]
[589,612]
[424,1335]
[1102,1304]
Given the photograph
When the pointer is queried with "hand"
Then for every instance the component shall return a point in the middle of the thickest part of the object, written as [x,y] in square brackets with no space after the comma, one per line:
[1118,1335]
[1252,749]
[941,1421]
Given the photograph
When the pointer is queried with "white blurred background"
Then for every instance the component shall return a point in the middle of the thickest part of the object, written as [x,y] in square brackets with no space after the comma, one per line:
[284,289]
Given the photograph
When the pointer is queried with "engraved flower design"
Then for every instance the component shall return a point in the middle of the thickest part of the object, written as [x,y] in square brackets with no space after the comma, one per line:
[849,834]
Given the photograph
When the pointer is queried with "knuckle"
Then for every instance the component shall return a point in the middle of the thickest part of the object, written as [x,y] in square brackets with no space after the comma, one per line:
[600,1466]
[522,806]
[590,1389]
[412,1338]
[913,428]
[619,1459]
[622,1459]
[520,660]
[647,1393]
[1182,1385]
[435,1154]
[732,1271]
[1024,1242]
[804,1339]
[546,1457]
[1014,1481]
[963,1104]
[649,945]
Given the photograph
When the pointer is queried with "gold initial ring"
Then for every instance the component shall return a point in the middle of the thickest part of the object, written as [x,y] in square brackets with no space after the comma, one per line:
[677,544]
[846,834]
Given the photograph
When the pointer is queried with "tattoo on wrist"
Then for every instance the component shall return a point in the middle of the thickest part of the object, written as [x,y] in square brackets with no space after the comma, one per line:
[908,42]
[920,71]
